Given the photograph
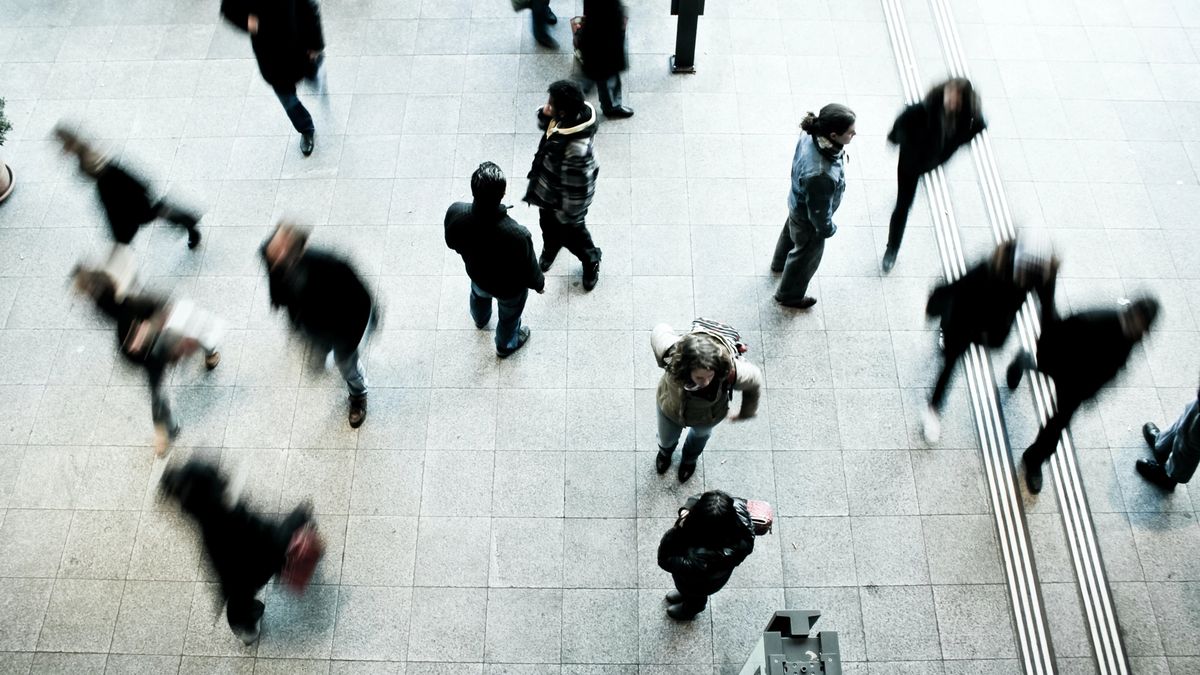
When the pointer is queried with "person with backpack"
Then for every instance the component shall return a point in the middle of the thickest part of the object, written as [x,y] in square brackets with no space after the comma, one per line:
[1176,450]
[701,371]
[712,536]
[818,182]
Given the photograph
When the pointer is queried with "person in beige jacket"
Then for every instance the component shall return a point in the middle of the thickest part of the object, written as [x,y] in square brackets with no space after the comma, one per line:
[696,389]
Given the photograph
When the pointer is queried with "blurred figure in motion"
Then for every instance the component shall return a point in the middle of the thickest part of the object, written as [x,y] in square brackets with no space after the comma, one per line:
[601,42]
[289,46]
[542,18]
[326,301]
[245,550]
[154,334]
[1082,353]
[499,256]
[1176,450]
[981,306]
[928,133]
[701,551]
[125,196]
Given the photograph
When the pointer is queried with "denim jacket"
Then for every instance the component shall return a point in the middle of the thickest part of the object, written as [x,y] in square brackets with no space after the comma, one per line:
[817,185]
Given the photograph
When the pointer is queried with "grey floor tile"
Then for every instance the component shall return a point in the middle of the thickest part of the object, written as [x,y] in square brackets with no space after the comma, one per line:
[453,551]
[964,550]
[439,617]
[600,626]
[465,474]
[529,483]
[810,483]
[372,623]
[153,617]
[380,550]
[167,548]
[600,553]
[387,482]
[1161,540]
[889,550]
[663,640]
[526,553]
[880,482]
[507,640]
[600,485]
[600,419]
[99,545]
[303,626]
[397,419]
[32,541]
[973,621]
[738,617]
[323,476]
[891,613]
[1175,608]
[830,534]
[25,602]
[462,419]
[81,615]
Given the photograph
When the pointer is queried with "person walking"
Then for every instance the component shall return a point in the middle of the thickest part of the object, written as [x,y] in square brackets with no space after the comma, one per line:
[326,301]
[709,540]
[928,133]
[1082,353]
[499,257]
[981,306]
[289,46]
[562,179]
[817,186]
[542,17]
[125,196]
[1176,450]
[701,371]
[601,49]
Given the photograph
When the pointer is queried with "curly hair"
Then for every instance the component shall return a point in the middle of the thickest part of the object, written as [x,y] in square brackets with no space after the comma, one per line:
[698,351]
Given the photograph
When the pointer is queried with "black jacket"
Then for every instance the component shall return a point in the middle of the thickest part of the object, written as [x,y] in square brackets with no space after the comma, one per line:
[602,39]
[128,313]
[981,306]
[287,31]
[498,252]
[925,140]
[324,298]
[696,568]
[1083,352]
[126,200]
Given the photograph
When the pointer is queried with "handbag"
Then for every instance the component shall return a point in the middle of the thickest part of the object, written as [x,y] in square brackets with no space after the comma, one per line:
[576,36]
[761,515]
[304,551]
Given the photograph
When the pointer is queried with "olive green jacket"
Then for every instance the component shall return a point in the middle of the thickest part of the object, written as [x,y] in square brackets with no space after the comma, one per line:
[686,409]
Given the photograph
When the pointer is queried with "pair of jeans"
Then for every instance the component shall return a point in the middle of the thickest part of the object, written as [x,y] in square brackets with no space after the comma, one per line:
[508,325]
[574,236]
[302,122]
[160,406]
[350,365]
[668,437]
[906,193]
[1178,459]
[798,255]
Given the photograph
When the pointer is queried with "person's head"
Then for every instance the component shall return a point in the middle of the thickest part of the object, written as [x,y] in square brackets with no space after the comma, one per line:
[1028,260]
[956,93]
[698,361]
[1138,316]
[91,161]
[285,245]
[488,185]
[835,123]
[93,283]
[717,518]
[197,485]
[566,100]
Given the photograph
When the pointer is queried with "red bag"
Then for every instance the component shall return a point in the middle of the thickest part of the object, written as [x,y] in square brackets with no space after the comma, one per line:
[303,553]
[762,515]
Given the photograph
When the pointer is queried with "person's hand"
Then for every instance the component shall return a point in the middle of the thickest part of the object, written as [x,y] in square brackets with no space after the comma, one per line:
[547,110]
[252,24]
[541,291]
[313,55]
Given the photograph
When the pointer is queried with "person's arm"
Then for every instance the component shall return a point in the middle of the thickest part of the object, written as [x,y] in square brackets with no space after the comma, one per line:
[902,128]
[310,26]
[543,119]
[237,13]
[662,338]
[537,280]
[577,177]
[818,200]
[749,382]
[675,556]
[738,552]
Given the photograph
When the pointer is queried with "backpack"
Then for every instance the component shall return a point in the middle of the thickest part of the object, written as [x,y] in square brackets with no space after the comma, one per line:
[726,333]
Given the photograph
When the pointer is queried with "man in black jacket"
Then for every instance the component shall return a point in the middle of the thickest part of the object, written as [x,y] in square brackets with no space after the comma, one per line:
[288,44]
[326,301]
[499,257]
[562,179]
[1082,353]
[928,133]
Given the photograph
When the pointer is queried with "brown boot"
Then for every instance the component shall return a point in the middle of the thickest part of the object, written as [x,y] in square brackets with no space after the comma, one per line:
[211,360]
[358,410]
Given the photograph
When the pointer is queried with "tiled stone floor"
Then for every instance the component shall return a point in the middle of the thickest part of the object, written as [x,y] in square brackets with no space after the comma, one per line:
[502,517]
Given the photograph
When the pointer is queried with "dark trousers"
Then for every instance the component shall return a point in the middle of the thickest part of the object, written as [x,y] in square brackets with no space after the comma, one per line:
[951,355]
[242,609]
[1067,402]
[160,407]
[609,91]
[906,193]
[508,326]
[177,216]
[244,612]
[540,11]
[695,592]
[302,122]
[798,255]
[574,236]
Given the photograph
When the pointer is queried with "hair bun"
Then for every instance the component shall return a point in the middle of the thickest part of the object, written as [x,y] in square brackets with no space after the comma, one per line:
[809,123]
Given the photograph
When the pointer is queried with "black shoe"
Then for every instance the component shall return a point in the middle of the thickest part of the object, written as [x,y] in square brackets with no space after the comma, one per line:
[674,597]
[358,411]
[889,260]
[306,144]
[591,275]
[193,238]
[680,613]
[776,269]
[522,338]
[662,461]
[1033,473]
[1154,473]
[619,112]
[803,303]
[544,39]
[551,17]
[546,260]
[483,325]
[686,470]
[1017,368]
[1150,433]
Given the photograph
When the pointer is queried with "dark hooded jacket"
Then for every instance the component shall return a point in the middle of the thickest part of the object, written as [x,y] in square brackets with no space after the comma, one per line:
[564,171]
[287,31]
[1083,352]
[497,251]
[602,39]
[698,564]
[925,137]
[324,298]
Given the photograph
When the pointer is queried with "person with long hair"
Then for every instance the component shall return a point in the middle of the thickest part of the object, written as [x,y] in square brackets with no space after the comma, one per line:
[707,543]
[818,182]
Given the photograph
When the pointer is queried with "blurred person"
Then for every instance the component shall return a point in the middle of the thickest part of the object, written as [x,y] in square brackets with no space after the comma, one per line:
[245,550]
[499,257]
[1176,450]
[326,301]
[981,306]
[818,182]
[124,195]
[928,133]
[601,48]
[153,333]
[1081,353]
[542,17]
[562,179]
[289,46]
[701,551]
[702,370]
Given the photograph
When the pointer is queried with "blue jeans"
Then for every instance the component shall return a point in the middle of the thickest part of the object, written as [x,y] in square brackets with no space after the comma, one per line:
[1174,451]
[668,438]
[508,325]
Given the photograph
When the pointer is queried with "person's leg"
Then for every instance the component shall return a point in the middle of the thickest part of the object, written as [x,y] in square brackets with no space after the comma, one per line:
[181,217]
[609,92]
[165,426]
[302,122]
[551,238]
[508,324]
[783,246]
[578,240]
[697,438]
[801,264]
[668,438]
[480,306]
[906,193]
[950,356]
[351,367]
[244,612]
[1047,440]
[540,14]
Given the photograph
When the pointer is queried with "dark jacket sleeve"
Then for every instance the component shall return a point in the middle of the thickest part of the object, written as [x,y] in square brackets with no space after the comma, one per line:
[543,119]
[675,556]
[537,280]
[309,16]
[818,191]
[903,128]
[236,12]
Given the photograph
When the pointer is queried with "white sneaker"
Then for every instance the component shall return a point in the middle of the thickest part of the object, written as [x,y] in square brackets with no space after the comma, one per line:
[931,426]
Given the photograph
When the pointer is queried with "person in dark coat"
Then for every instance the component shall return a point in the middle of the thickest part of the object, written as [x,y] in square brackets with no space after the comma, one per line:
[245,550]
[326,301]
[125,196]
[602,54]
[288,44]
[542,17]
[147,336]
[562,179]
[1176,450]
[708,541]
[981,306]
[928,133]
[499,256]
[1082,353]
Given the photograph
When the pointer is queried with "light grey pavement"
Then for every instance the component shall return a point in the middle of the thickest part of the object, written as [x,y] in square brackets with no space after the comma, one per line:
[505,514]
